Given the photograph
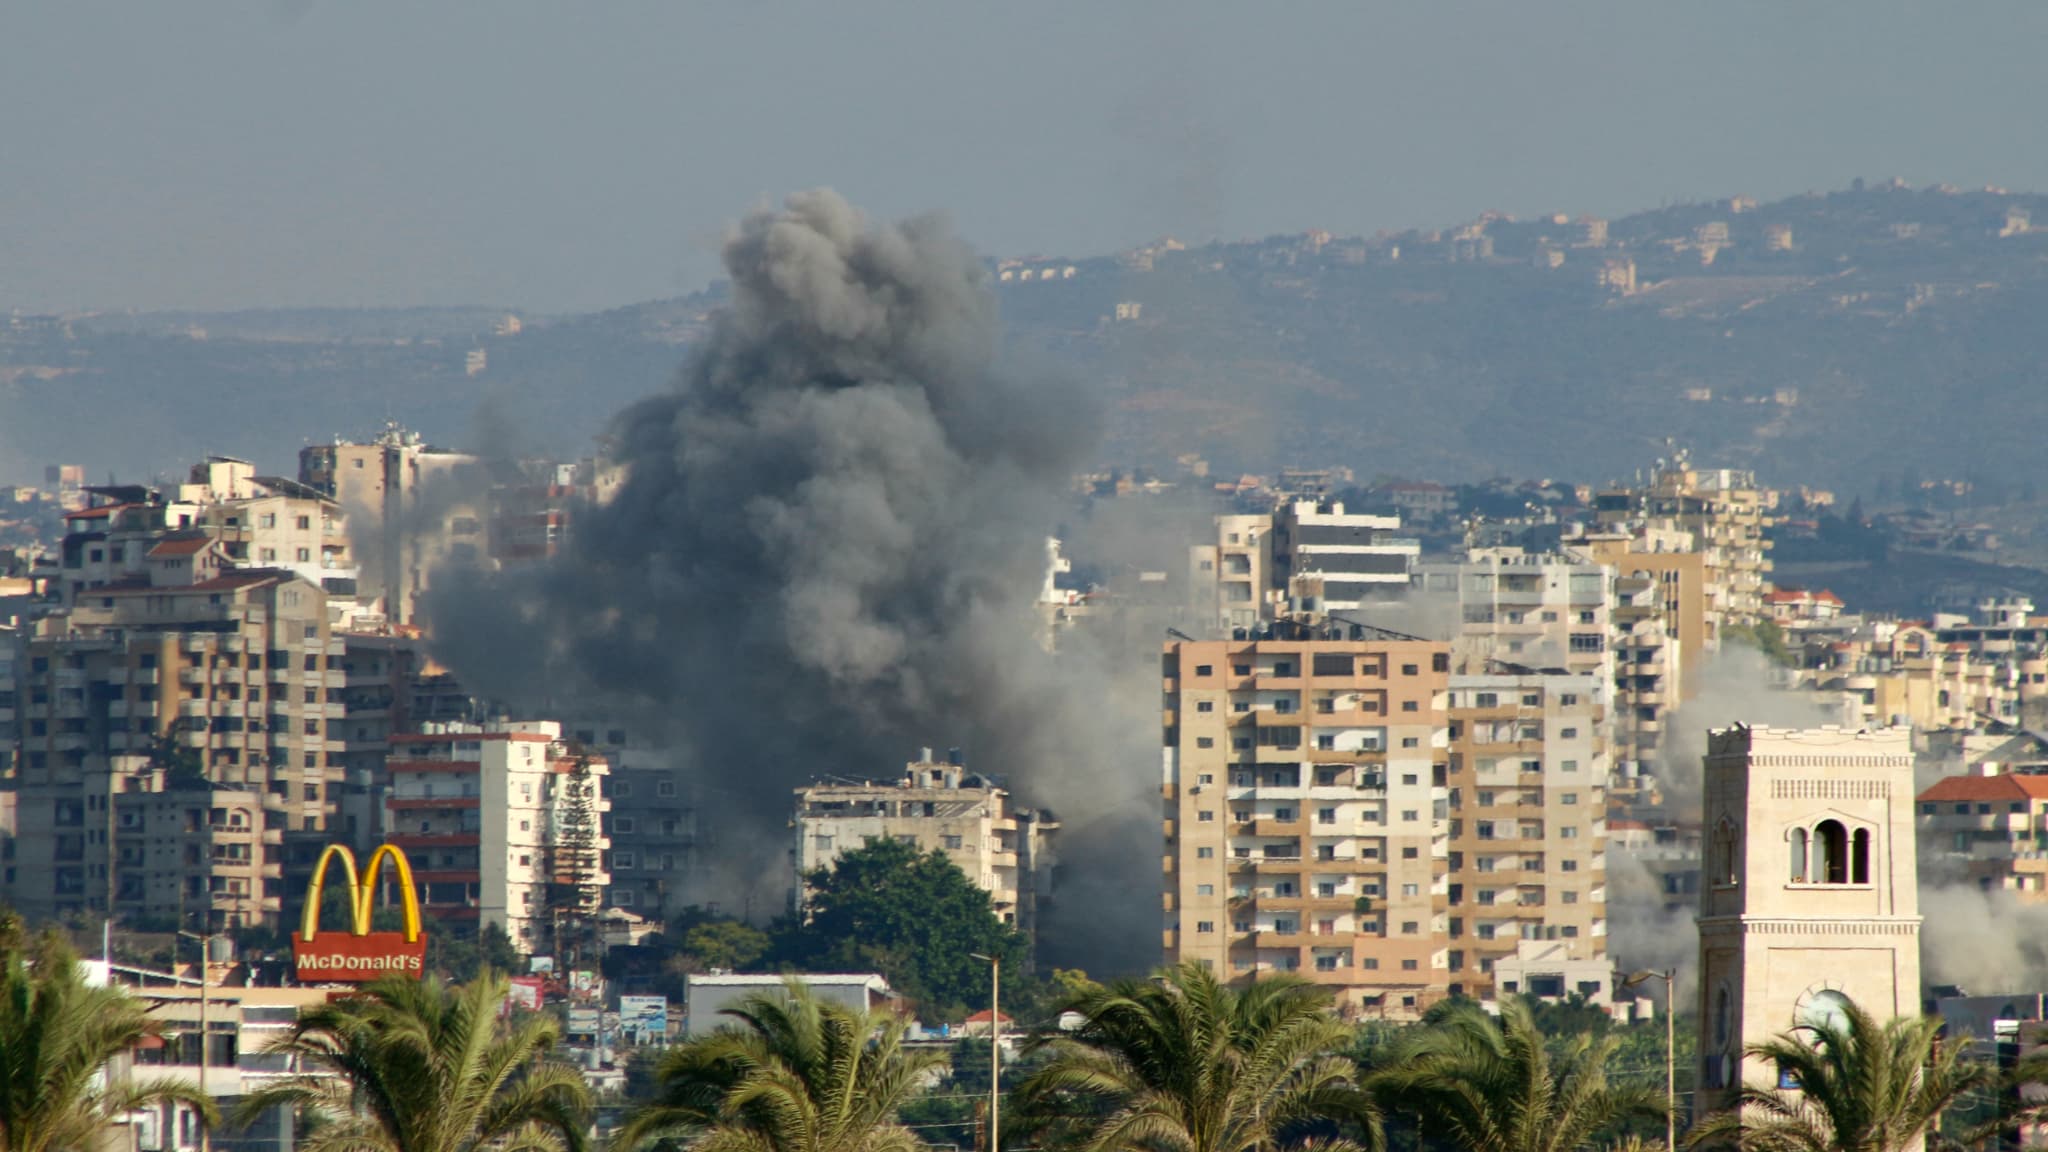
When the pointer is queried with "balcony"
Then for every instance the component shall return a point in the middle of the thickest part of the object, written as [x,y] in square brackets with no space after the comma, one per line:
[1271,826]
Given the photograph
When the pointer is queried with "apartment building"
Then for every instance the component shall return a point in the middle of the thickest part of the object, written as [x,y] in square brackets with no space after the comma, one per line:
[503,823]
[1726,514]
[1306,557]
[1306,817]
[1889,673]
[1528,774]
[1990,830]
[657,842]
[246,520]
[1649,669]
[1528,608]
[217,678]
[936,805]
[422,506]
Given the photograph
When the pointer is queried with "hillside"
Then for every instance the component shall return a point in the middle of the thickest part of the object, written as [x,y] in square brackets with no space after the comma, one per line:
[1839,340]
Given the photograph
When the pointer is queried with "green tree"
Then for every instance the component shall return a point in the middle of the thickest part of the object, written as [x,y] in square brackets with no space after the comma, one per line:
[729,944]
[56,1035]
[796,1074]
[915,918]
[1491,1085]
[423,1066]
[1181,1063]
[1863,1087]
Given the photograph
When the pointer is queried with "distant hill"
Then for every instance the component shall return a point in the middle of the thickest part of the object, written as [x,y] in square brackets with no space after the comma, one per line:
[1840,340]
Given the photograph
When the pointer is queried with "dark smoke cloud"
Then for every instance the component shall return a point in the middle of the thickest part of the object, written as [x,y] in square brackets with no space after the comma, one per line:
[826,554]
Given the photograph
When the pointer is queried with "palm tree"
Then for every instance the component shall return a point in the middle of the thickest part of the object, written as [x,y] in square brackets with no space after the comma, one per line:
[1492,1086]
[57,1035]
[419,1066]
[1863,1086]
[796,1075]
[1182,1063]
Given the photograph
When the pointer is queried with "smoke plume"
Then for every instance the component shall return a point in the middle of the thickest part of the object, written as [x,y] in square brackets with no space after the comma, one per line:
[826,554]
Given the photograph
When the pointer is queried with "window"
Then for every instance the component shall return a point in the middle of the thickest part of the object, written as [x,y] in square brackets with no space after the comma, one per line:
[1410,706]
[952,842]
[1798,869]
[1205,926]
[1205,853]
[622,861]
[1410,815]
[1411,890]
[1410,927]
[1205,778]
[1569,734]
[1326,815]
[1205,742]
[1722,865]
[1205,706]
[1370,963]
[1568,797]
[1241,669]
[1408,966]
[1410,853]
[1568,699]
[1532,699]
[1205,889]
[1206,816]
[1831,839]
[1204,669]
[620,824]
[1486,700]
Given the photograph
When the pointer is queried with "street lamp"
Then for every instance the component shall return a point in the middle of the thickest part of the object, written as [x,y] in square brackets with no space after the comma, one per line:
[995,1049]
[1670,1051]
[205,948]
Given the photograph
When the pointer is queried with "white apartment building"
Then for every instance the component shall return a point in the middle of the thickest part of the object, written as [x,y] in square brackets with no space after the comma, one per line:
[1536,609]
[501,822]
[1305,558]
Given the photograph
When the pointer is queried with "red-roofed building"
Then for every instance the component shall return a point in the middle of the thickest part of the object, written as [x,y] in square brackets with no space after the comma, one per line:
[1803,605]
[1991,830]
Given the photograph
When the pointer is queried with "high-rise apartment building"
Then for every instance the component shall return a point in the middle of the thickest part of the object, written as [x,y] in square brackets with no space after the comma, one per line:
[1535,609]
[1726,514]
[503,824]
[214,678]
[1306,557]
[1306,813]
[1528,839]
[412,506]
[937,805]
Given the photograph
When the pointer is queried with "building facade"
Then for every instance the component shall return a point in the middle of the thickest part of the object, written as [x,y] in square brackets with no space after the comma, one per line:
[503,824]
[1306,813]
[937,805]
[1810,893]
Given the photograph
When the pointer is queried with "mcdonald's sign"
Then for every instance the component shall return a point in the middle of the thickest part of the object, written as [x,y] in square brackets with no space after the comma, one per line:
[359,955]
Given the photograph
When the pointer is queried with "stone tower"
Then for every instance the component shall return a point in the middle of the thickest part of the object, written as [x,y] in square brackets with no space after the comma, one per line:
[1808,892]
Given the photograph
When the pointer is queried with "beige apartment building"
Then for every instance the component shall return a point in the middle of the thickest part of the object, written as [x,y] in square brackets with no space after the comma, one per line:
[1528,836]
[413,507]
[1726,514]
[1306,813]
[1305,558]
[1989,829]
[215,678]
[937,806]
[1810,893]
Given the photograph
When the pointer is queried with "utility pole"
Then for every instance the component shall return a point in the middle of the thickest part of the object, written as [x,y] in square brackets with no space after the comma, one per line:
[995,1050]
[1670,1048]
[205,1041]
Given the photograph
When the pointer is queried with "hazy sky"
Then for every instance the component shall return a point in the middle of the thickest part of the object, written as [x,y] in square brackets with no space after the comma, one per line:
[577,155]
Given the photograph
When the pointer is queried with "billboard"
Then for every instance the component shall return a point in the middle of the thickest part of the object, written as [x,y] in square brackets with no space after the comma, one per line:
[525,992]
[359,955]
[645,1018]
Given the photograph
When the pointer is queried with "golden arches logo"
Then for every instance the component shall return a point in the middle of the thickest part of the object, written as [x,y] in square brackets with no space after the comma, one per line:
[362,890]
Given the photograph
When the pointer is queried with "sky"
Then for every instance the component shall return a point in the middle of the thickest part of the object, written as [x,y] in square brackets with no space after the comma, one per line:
[566,157]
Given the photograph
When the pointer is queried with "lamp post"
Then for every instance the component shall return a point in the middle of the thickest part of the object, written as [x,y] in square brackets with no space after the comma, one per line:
[205,947]
[995,1049]
[1670,1051]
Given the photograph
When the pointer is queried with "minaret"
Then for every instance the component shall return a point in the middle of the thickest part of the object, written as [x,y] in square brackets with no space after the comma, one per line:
[1808,892]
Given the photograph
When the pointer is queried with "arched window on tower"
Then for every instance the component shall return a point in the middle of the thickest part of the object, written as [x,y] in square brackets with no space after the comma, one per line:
[1798,838]
[1832,842]
[1859,857]
[1724,868]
